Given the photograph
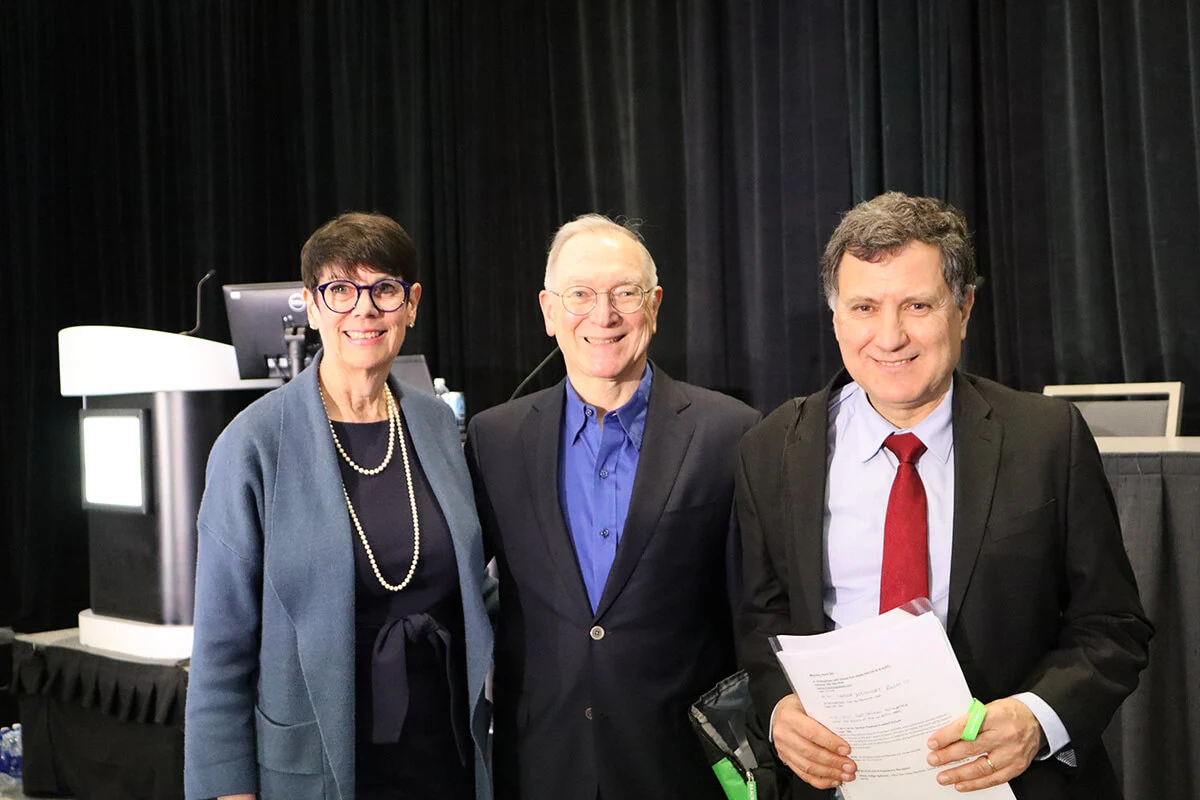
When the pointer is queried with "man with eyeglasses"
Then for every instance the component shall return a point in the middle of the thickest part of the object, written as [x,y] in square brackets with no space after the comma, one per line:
[608,503]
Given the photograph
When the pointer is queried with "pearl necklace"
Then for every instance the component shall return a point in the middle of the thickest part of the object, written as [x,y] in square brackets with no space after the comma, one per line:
[393,423]
[395,431]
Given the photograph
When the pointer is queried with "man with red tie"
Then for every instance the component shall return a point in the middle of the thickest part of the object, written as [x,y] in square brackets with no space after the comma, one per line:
[906,478]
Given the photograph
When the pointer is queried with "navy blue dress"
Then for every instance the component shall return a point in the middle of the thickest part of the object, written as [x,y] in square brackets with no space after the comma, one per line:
[411,712]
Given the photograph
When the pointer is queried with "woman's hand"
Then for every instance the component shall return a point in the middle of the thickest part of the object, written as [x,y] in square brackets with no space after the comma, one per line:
[237,797]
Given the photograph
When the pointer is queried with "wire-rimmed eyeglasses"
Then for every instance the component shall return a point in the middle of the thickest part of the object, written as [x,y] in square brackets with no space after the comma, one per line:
[387,294]
[580,300]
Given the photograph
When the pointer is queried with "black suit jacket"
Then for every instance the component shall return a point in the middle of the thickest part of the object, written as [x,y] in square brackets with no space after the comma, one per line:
[1042,597]
[598,702]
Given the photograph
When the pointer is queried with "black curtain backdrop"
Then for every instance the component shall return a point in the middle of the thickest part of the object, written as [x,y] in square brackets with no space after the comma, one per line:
[144,143]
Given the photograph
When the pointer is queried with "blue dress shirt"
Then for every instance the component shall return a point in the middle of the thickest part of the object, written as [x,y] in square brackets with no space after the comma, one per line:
[596,468]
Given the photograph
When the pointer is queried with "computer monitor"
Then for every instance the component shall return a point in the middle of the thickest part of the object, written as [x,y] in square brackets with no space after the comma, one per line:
[258,314]
[413,370]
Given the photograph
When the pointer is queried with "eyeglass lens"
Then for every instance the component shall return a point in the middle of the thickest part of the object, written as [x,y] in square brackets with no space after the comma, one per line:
[582,299]
[342,296]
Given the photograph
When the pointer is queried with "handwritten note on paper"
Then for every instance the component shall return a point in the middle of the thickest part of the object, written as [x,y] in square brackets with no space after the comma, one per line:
[884,686]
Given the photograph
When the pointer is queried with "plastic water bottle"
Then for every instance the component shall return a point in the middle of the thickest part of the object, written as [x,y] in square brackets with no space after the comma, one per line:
[5,757]
[11,759]
[457,402]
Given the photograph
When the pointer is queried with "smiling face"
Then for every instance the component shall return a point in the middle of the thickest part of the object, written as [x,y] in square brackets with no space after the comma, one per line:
[363,339]
[604,347]
[899,330]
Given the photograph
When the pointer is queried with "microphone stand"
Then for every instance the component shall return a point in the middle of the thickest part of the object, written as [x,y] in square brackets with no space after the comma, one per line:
[294,337]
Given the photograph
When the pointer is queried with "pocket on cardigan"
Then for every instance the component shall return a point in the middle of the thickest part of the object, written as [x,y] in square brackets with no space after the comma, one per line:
[292,749]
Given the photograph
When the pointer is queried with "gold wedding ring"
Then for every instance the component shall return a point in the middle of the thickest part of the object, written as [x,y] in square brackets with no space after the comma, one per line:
[990,764]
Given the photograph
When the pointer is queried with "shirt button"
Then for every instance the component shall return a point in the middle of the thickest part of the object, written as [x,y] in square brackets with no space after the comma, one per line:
[603,473]
[588,412]
[604,533]
[597,633]
[587,712]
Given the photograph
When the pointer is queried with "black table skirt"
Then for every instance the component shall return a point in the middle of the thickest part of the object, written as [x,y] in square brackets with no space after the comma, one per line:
[97,726]
[1155,737]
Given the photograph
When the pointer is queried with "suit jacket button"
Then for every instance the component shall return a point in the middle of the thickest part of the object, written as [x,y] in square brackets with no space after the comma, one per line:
[597,633]
[587,712]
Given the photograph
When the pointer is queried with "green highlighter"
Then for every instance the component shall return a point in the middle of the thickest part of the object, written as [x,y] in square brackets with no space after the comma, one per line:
[736,787]
[975,715]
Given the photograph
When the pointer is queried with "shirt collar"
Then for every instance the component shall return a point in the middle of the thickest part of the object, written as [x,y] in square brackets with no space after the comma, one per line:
[867,428]
[631,416]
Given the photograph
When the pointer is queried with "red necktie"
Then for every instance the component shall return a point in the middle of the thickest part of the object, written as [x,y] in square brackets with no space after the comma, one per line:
[905,574]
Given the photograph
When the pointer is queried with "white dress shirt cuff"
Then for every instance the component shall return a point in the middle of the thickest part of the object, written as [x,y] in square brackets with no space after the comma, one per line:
[771,725]
[1057,737]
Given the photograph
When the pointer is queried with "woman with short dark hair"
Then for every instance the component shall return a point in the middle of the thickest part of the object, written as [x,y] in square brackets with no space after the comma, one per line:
[341,639]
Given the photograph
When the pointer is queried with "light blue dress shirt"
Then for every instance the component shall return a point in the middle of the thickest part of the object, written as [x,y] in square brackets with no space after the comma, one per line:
[596,468]
[861,471]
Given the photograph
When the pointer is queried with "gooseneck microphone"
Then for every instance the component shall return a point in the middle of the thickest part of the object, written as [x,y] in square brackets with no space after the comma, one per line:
[533,374]
[199,285]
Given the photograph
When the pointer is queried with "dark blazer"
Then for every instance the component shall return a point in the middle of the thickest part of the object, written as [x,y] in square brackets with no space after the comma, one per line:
[598,702]
[1042,597]
[270,705]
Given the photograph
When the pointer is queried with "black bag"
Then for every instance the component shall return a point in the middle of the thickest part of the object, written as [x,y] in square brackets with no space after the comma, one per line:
[735,741]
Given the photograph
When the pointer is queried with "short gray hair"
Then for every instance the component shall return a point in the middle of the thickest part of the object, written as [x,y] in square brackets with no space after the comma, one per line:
[599,224]
[886,224]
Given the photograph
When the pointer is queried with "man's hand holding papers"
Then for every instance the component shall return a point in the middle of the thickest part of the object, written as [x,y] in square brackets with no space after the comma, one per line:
[816,754]
[885,686]
[1005,747]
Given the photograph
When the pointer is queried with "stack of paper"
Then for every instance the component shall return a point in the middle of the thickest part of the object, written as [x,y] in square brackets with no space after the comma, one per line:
[885,686]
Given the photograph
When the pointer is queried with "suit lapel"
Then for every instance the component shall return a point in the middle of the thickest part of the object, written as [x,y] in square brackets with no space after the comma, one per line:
[977,441]
[664,445]
[309,564]
[805,456]
[540,431]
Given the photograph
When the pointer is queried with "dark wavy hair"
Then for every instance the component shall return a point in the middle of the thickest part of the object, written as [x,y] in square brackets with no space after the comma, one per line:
[883,226]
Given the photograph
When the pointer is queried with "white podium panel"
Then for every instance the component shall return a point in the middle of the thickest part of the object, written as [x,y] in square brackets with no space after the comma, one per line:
[104,359]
